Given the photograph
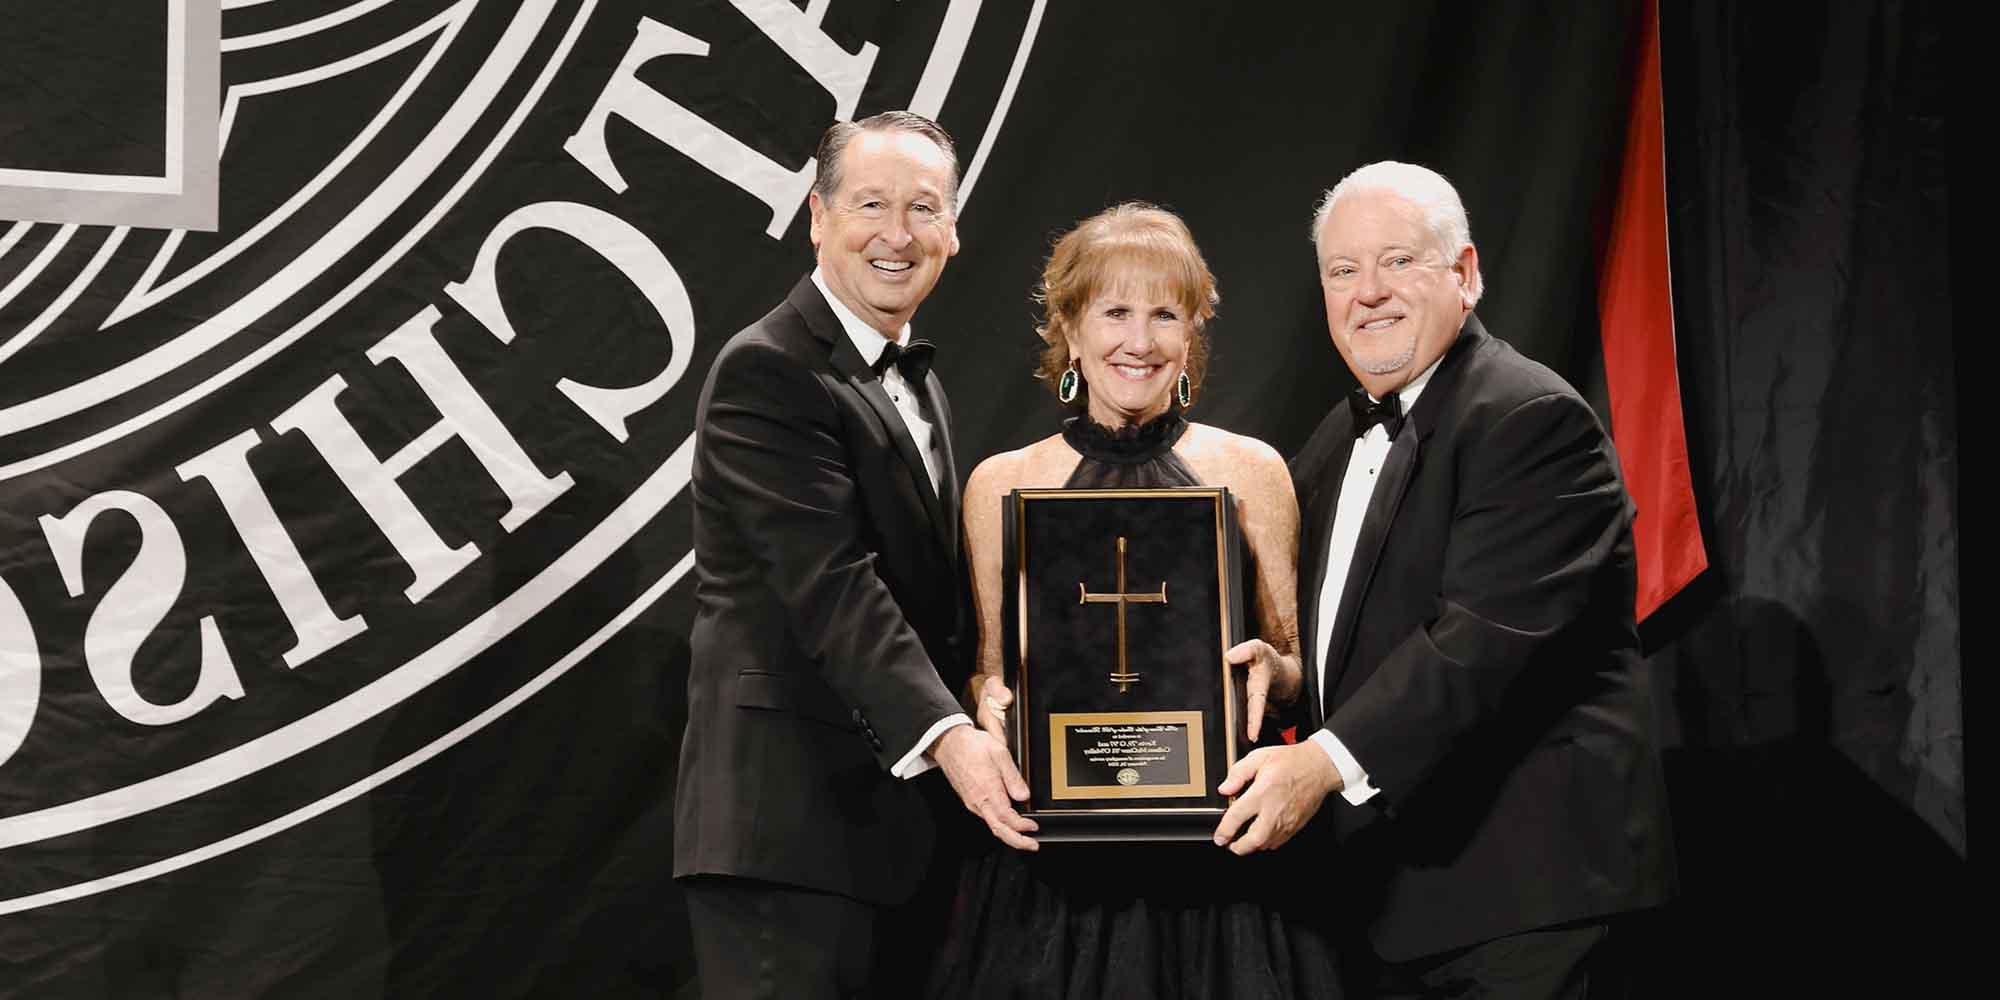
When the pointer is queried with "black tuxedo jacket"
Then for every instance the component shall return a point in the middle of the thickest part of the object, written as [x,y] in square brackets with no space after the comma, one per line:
[1483,664]
[830,615]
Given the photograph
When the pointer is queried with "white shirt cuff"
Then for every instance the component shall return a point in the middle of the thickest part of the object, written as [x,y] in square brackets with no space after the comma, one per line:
[1354,786]
[918,760]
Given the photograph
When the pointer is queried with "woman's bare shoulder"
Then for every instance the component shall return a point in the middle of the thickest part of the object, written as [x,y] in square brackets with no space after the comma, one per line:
[1235,460]
[1044,463]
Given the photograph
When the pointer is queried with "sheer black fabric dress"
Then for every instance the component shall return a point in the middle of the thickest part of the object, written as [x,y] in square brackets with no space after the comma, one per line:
[1184,921]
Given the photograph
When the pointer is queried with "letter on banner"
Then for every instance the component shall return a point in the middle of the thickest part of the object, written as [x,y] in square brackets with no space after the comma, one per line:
[798,33]
[462,414]
[373,483]
[227,469]
[134,606]
[625,248]
[470,419]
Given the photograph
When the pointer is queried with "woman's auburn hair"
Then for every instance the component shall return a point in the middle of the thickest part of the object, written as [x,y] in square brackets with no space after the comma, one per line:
[1113,247]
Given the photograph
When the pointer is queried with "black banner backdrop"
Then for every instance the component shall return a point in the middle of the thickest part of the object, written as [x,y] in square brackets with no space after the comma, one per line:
[342,614]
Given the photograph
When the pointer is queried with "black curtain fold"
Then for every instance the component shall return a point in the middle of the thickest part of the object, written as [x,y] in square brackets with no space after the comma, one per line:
[1818,771]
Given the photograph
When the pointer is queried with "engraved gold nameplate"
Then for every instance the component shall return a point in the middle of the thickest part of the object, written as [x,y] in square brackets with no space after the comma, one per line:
[1126,755]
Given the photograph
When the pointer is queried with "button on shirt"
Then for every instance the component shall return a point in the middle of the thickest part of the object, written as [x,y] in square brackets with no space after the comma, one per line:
[1357,490]
[910,406]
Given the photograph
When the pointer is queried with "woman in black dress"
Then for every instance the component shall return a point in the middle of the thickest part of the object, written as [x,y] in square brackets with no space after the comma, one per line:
[1127,295]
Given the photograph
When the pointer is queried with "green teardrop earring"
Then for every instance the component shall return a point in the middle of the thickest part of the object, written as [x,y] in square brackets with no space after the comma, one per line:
[1184,390]
[1066,386]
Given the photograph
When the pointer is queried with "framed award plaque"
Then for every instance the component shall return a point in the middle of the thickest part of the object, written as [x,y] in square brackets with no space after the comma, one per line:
[1118,608]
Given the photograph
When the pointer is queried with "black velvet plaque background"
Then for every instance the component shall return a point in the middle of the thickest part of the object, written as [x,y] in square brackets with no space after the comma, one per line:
[1060,538]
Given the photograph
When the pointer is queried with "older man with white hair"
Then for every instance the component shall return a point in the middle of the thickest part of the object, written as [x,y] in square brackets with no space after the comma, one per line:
[1474,690]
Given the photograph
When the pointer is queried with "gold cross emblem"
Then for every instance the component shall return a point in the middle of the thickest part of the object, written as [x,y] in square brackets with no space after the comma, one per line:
[1124,678]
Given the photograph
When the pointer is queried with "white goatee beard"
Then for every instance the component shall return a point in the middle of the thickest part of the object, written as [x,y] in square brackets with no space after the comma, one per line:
[1387,365]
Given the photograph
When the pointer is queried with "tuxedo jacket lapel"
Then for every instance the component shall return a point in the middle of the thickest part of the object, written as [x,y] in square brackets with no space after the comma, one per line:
[1390,487]
[1319,518]
[948,472]
[863,380]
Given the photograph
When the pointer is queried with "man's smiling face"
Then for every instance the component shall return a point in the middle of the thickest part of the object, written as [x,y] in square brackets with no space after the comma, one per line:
[1395,298]
[885,234]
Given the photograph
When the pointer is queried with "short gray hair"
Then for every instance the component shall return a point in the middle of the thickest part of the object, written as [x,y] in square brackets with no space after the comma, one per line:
[1421,186]
[839,134]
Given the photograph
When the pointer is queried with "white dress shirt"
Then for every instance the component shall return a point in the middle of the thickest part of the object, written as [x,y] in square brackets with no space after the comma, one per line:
[871,343]
[1357,489]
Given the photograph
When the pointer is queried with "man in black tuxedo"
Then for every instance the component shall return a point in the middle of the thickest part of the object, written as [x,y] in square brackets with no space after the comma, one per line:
[831,612]
[1471,665]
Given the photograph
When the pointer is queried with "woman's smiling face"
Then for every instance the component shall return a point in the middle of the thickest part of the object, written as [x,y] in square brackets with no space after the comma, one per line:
[1130,344]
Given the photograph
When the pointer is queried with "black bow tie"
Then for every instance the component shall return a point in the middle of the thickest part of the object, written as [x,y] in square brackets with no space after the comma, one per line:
[1367,413]
[914,361]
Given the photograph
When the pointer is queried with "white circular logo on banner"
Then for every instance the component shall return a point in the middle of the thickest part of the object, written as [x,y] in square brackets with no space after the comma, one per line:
[354,381]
